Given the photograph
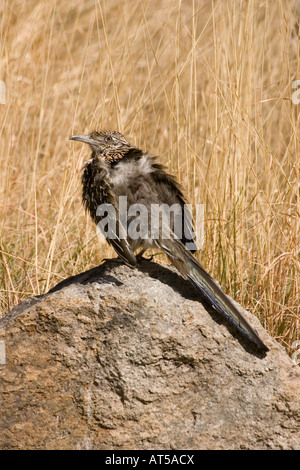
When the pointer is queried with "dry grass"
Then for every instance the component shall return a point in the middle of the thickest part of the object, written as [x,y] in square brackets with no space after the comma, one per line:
[205,84]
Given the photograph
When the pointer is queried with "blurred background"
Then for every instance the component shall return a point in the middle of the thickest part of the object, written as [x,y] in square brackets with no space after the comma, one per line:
[206,85]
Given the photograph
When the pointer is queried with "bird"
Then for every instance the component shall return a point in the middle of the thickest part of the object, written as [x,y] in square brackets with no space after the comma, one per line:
[117,169]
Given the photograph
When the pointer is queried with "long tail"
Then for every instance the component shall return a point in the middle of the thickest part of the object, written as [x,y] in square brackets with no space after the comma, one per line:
[192,270]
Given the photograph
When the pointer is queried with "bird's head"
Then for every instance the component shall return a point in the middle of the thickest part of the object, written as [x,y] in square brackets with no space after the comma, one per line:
[106,144]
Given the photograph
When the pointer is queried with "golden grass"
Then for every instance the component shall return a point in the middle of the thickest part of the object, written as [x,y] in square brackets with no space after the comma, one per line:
[204,84]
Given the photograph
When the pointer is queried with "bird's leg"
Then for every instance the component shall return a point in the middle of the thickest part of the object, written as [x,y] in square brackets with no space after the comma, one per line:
[140,256]
[118,259]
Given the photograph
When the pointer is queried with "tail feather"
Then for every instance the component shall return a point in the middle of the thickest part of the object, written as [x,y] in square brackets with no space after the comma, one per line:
[189,267]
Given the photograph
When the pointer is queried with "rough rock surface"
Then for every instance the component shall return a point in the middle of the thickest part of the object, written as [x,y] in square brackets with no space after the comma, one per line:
[120,358]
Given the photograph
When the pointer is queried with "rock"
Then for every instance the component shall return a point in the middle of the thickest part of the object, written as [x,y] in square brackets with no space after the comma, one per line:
[121,358]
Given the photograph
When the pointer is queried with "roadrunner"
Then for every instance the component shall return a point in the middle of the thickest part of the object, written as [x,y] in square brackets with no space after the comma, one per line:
[118,171]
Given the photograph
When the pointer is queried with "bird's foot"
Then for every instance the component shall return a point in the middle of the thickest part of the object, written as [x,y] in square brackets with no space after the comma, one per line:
[116,260]
[140,257]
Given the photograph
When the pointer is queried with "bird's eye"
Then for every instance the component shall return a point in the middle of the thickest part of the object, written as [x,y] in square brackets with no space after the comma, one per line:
[108,138]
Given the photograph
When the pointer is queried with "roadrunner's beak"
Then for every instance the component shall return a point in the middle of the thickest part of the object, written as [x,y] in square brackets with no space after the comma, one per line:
[83,138]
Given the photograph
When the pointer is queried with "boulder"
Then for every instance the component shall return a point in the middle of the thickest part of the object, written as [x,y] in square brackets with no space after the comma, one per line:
[122,358]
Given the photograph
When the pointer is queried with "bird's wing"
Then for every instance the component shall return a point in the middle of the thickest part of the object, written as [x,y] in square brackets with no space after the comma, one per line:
[169,189]
[192,270]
